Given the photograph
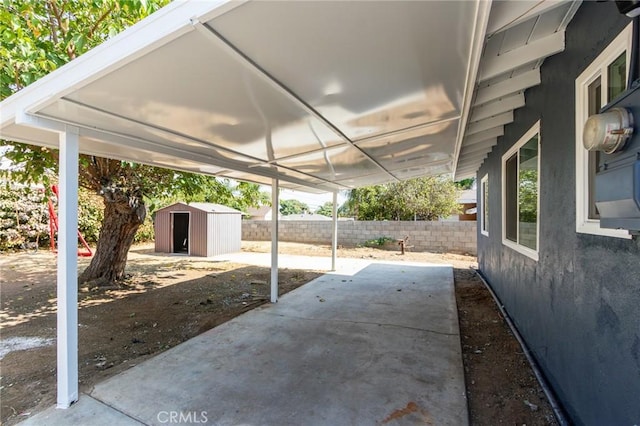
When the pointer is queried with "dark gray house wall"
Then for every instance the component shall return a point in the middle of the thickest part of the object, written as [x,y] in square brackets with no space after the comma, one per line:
[578,306]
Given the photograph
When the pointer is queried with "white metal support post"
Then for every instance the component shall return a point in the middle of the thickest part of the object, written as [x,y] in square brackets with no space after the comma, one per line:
[334,236]
[275,208]
[68,269]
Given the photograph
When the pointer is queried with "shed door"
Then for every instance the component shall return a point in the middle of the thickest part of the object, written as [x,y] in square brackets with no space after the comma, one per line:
[180,232]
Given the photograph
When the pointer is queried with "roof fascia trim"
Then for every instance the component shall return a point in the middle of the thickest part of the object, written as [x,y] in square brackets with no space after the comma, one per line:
[479,33]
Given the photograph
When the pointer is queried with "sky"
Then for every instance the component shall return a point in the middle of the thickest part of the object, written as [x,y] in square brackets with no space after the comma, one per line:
[312,200]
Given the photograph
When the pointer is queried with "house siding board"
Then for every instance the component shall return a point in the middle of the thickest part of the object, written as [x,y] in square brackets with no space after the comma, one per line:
[577,307]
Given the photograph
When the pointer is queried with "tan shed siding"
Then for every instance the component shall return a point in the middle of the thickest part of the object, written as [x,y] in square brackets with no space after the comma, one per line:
[162,231]
[225,233]
[198,232]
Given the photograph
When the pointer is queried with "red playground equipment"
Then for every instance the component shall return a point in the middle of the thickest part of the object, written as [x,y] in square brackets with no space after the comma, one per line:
[53,228]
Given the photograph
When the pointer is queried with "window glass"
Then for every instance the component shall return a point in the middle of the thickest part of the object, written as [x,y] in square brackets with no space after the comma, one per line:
[594,103]
[511,198]
[617,76]
[520,194]
[485,205]
[594,91]
[528,194]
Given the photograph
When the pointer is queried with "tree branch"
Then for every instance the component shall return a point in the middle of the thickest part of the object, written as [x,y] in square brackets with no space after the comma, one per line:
[99,21]
[16,78]
[56,12]
[52,26]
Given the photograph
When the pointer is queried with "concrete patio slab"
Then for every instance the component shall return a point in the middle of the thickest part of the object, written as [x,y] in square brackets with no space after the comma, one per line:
[377,344]
[87,411]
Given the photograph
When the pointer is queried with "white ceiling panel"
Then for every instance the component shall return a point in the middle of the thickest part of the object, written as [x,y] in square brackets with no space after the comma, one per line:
[422,146]
[194,87]
[333,164]
[350,49]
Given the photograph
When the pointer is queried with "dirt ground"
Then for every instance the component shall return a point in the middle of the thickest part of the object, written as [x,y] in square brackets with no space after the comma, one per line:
[169,299]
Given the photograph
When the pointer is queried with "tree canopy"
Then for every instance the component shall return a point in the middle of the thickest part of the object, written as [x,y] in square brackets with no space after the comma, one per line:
[326,209]
[289,207]
[40,36]
[465,183]
[427,198]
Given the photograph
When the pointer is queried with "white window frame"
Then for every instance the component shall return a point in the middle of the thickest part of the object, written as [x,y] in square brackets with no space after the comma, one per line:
[533,254]
[598,68]
[484,190]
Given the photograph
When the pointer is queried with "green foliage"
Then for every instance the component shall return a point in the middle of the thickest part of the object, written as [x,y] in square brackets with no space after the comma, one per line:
[428,198]
[465,184]
[145,233]
[209,189]
[289,207]
[378,242]
[528,196]
[90,215]
[366,203]
[40,36]
[326,209]
[23,217]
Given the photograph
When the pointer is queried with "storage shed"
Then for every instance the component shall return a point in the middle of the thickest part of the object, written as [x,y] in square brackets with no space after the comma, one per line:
[198,229]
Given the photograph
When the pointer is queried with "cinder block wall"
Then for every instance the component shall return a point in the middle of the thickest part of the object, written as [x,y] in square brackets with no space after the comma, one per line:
[453,237]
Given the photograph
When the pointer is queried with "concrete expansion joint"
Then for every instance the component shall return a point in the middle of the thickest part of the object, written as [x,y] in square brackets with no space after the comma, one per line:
[424,330]
[89,395]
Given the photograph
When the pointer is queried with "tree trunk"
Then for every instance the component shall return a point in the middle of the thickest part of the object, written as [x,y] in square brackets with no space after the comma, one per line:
[123,215]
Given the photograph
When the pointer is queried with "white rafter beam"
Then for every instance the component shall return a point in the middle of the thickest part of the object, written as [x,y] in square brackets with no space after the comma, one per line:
[535,50]
[489,123]
[508,103]
[493,133]
[483,146]
[472,155]
[469,169]
[512,85]
[465,175]
[462,174]
[471,160]
[508,14]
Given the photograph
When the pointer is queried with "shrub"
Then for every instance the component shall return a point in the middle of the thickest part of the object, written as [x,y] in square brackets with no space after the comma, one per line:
[90,215]
[24,219]
[378,242]
[145,232]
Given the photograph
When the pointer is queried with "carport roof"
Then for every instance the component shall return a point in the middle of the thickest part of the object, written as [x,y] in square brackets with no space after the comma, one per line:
[321,95]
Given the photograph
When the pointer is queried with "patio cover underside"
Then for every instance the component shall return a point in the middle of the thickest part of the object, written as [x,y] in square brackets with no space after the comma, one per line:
[320,95]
